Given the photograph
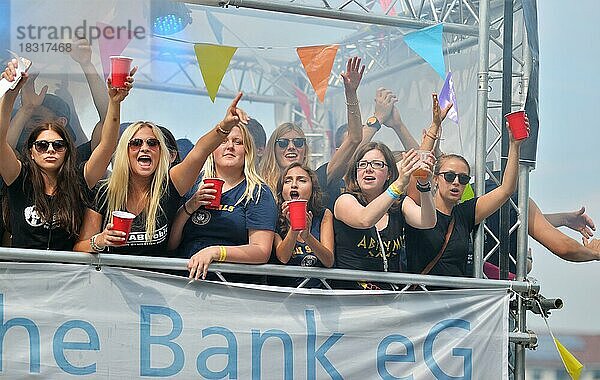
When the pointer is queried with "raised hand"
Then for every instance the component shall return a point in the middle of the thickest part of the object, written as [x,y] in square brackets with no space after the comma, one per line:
[81,51]
[234,115]
[119,94]
[202,197]
[384,105]
[579,221]
[29,98]
[353,74]
[512,138]
[10,74]
[406,167]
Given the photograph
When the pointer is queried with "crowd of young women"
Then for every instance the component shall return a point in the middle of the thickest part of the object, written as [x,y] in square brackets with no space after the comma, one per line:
[54,203]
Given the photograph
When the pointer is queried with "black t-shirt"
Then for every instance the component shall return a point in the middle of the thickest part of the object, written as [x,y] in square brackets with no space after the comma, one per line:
[29,229]
[422,246]
[330,192]
[136,242]
[359,249]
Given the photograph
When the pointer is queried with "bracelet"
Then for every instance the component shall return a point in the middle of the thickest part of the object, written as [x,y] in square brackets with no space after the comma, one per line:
[352,104]
[222,253]
[186,210]
[423,188]
[394,191]
[431,136]
[221,130]
[95,246]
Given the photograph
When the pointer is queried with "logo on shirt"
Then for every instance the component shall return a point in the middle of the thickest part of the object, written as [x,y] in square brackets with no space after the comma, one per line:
[201,217]
[32,217]
[309,261]
[139,237]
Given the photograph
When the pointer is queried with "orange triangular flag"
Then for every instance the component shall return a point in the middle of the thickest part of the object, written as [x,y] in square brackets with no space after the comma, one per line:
[213,61]
[317,62]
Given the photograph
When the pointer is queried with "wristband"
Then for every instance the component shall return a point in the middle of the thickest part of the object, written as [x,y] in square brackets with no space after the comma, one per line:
[423,188]
[95,246]
[352,104]
[222,131]
[186,210]
[222,253]
[394,191]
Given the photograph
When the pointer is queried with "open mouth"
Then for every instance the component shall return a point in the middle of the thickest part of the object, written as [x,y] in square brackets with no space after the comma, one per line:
[294,194]
[145,161]
[369,178]
[454,191]
[291,156]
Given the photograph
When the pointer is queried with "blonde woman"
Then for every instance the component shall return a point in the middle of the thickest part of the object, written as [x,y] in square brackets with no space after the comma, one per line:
[241,230]
[142,184]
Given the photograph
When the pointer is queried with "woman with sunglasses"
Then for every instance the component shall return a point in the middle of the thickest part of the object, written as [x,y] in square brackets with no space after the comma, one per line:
[47,192]
[241,229]
[370,217]
[143,184]
[456,221]
[287,143]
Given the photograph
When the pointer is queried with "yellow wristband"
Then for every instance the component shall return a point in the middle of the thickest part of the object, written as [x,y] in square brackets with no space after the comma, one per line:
[395,189]
[222,253]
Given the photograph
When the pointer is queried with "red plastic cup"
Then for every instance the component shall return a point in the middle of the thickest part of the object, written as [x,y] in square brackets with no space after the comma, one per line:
[516,123]
[297,210]
[217,185]
[122,221]
[120,67]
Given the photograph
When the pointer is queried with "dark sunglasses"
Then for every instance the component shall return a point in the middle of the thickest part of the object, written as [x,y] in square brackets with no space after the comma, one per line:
[42,146]
[375,164]
[137,142]
[284,143]
[463,179]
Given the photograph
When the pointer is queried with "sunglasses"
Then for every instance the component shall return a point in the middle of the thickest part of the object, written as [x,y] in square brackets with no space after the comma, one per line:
[375,164]
[42,146]
[137,142]
[284,143]
[463,179]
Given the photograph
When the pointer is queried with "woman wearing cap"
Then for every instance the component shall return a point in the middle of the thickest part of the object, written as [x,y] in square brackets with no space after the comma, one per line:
[46,190]
[144,185]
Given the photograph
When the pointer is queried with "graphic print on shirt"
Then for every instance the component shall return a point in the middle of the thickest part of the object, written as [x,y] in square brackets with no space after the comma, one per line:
[34,219]
[375,250]
[139,237]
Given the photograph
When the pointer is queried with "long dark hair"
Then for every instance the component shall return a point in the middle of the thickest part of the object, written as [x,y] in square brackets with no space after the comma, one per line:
[68,201]
[315,201]
[350,178]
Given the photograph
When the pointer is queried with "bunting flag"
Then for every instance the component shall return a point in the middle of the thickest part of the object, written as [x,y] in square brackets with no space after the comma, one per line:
[427,43]
[447,96]
[318,62]
[385,4]
[110,46]
[216,26]
[304,104]
[213,61]
[572,365]
[468,193]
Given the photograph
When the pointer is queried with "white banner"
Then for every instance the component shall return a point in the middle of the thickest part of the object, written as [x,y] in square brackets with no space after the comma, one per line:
[62,321]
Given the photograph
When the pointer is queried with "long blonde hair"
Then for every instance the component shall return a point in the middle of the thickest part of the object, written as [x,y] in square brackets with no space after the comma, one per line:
[253,180]
[269,169]
[116,187]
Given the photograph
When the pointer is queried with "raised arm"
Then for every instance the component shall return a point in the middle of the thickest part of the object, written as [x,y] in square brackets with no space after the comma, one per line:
[339,162]
[432,135]
[30,100]
[393,119]
[423,215]
[488,203]
[96,166]
[81,53]
[10,166]
[351,212]
[576,220]
[185,173]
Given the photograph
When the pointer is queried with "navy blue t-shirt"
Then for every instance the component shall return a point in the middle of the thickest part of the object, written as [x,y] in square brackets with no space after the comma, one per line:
[229,224]
[332,191]
[302,256]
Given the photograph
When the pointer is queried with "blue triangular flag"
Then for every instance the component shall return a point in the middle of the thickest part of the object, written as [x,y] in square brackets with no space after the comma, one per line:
[447,96]
[427,43]
[216,26]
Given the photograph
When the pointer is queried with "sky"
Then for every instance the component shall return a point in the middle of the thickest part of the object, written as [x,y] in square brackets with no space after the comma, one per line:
[566,174]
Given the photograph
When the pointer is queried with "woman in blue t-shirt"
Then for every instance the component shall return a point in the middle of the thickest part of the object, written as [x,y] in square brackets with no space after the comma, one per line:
[312,247]
[241,229]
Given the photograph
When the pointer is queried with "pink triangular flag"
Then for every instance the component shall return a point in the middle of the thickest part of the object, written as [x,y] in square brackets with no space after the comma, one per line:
[385,4]
[111,46]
